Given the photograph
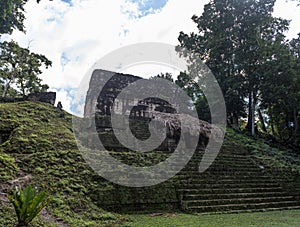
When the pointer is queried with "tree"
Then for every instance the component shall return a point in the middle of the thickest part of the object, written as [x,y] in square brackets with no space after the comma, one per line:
[12,15]
[215,45]
[233,40]
[192,89]
[21,67]
[18,65]
[166,76]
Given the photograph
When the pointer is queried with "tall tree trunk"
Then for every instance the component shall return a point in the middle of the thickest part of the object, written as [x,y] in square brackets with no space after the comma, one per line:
[295,120]
[6,87]
[253,115]
[23,89]
[261,119]
[234,121]
[271,123]
[251,111]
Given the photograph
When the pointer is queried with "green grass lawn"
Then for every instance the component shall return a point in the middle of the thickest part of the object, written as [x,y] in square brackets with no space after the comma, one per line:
[261,219]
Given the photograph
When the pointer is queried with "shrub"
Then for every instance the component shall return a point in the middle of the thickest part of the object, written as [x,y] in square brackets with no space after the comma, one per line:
[27,203]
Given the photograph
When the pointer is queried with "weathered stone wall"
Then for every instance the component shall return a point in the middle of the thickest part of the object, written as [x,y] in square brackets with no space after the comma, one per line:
[46,97]
[155,198]
[103,90]
[139,127]
[104,87]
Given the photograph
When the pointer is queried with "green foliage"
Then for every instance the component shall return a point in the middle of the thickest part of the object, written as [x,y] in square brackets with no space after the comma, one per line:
[256,67]
[28,203]
[21,67]
[8,167]
[166,76]
[18,65]
[12,15]
[192,89]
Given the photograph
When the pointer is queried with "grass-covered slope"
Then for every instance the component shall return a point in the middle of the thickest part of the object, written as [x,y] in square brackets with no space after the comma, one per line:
[285,162]
[38,148]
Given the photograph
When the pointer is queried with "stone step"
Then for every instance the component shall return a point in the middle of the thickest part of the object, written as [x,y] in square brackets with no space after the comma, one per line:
[223,160]
[202,196]
[228,190]
[230,186]
[226,165]
[254,210]
[229,164]
[210,202]
[214,172]
[243,206]
[220,168]
[234,182]
[230,181]
[216,177]
[224,156]
[223,169]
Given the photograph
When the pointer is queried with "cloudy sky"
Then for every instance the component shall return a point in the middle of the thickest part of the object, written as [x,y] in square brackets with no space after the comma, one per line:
[74,34]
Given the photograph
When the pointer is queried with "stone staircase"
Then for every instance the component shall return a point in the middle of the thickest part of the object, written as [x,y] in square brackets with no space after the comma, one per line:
[235,182]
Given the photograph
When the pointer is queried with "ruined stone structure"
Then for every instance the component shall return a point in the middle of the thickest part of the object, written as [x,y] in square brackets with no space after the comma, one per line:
[46,97]
[106,101]
[140,112]
[234,182]
[103,104]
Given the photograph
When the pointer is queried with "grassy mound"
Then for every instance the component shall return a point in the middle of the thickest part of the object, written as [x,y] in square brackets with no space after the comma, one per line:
[38,148]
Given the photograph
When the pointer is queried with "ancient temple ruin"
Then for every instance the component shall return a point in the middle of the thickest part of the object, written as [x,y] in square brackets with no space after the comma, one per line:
[108,85]
[106,101]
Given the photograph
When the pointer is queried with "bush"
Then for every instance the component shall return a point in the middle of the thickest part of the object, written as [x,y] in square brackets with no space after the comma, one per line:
[27,203]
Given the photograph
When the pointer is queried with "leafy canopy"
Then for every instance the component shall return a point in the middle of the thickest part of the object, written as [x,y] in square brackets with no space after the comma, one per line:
[20,67]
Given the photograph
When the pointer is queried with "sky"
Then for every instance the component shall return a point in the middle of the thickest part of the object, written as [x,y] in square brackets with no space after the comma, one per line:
[74,34]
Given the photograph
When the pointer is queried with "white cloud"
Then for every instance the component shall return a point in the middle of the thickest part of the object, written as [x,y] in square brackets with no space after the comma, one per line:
[165,25]
[289,10]
[65,97]
[75,36]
